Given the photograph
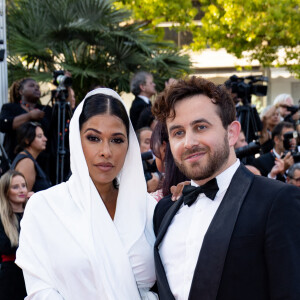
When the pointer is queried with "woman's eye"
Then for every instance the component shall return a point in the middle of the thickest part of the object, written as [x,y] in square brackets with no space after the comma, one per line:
[118,140]
[93,138]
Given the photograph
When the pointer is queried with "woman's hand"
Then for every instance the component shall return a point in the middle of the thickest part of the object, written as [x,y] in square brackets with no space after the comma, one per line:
[176,190]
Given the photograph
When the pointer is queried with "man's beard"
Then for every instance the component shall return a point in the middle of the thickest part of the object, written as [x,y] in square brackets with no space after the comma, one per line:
[206,168]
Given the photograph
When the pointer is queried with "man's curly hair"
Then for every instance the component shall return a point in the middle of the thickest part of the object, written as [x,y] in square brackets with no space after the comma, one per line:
[164,105]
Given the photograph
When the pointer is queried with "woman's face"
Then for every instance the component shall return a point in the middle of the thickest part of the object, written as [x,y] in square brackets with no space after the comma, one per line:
[274,118]
[17,192]
[104,142]
[31,91]
[40,141]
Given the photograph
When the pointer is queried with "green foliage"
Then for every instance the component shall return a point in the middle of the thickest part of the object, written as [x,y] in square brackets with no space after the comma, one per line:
[90,38]
[157,11]
[263,27]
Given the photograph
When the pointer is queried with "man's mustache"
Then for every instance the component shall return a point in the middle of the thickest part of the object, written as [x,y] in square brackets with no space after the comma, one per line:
[192,151]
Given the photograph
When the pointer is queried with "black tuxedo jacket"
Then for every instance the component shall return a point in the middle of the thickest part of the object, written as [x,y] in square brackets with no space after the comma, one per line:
[136,108]
[251,250]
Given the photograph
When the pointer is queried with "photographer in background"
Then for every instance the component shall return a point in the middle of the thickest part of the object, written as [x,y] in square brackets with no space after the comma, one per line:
[293,175]
[150,170]
[283,101]
[24,107]
[266,162]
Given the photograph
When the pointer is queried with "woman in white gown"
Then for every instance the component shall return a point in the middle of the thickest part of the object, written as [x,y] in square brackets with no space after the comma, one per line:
[91,237]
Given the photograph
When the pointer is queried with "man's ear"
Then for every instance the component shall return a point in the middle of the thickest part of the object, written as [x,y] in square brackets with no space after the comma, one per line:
[233,132]
[142,87]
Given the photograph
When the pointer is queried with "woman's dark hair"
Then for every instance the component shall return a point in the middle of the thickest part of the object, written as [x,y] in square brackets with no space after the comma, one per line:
[14,92]
[159,135]
[173,175]
[25,135]
[101,104]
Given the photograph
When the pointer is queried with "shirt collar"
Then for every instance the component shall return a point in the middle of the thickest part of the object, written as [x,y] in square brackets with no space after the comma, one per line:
[275,153]
[145,99]
[225,177]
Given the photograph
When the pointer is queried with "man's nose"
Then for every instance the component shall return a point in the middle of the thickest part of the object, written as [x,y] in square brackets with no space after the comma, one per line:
[190,140]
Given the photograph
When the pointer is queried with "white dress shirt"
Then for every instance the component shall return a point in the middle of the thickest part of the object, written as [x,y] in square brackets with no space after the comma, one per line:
[182,243]
[147,100]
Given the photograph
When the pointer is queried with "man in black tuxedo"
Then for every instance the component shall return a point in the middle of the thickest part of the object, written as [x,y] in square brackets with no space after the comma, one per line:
[267,161]
[143,87]
[234,237]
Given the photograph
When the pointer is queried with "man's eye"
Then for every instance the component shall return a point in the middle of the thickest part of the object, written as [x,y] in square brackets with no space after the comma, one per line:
[201,127]
[178,133]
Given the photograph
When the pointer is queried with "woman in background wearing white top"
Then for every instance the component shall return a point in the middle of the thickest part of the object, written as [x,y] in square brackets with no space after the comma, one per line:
[91,237]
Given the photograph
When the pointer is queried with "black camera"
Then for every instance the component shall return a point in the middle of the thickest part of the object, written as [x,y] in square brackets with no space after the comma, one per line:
[61,80]
[148,166]
[248,150]
[244,87]
[289,147]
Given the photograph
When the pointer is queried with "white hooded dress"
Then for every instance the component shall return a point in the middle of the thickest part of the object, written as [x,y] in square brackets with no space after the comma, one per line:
[71,249]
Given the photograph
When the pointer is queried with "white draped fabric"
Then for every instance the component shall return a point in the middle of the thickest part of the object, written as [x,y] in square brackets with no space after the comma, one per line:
[71,249]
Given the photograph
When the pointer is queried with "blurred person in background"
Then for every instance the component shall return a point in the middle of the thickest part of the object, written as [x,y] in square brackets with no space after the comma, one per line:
[144,136]
[146,119]
[267,161]
[241,142]
[151,175]
[293,175]
[282,101]
[31,142]
[13,196]
[24,106]
[71,98]
[270,118]
[143,88]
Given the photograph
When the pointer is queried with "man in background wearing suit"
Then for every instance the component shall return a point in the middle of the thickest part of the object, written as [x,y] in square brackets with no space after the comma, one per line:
[143,87]
[232,235]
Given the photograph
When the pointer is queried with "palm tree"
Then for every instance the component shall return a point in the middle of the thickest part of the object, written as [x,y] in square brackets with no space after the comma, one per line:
[90,38]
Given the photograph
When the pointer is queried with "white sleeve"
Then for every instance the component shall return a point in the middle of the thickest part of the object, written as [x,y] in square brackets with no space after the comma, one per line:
[32,255]
[44,294]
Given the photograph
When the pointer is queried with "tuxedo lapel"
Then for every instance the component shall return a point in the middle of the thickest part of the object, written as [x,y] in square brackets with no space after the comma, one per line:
[162,281]
[209,267]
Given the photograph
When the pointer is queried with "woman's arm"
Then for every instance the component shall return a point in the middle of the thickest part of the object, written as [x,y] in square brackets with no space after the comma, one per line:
[26,167]
[43,292]
[35,114]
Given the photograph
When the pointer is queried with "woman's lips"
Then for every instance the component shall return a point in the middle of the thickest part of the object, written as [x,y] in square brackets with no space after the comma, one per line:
[104,166]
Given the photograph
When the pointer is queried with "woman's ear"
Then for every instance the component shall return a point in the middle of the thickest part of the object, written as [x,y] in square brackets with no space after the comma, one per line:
[233,132]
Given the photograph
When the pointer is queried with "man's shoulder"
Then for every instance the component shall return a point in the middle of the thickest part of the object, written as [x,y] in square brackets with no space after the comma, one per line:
[273,187]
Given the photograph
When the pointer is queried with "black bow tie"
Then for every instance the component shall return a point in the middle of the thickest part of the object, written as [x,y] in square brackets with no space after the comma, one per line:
[190,193]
